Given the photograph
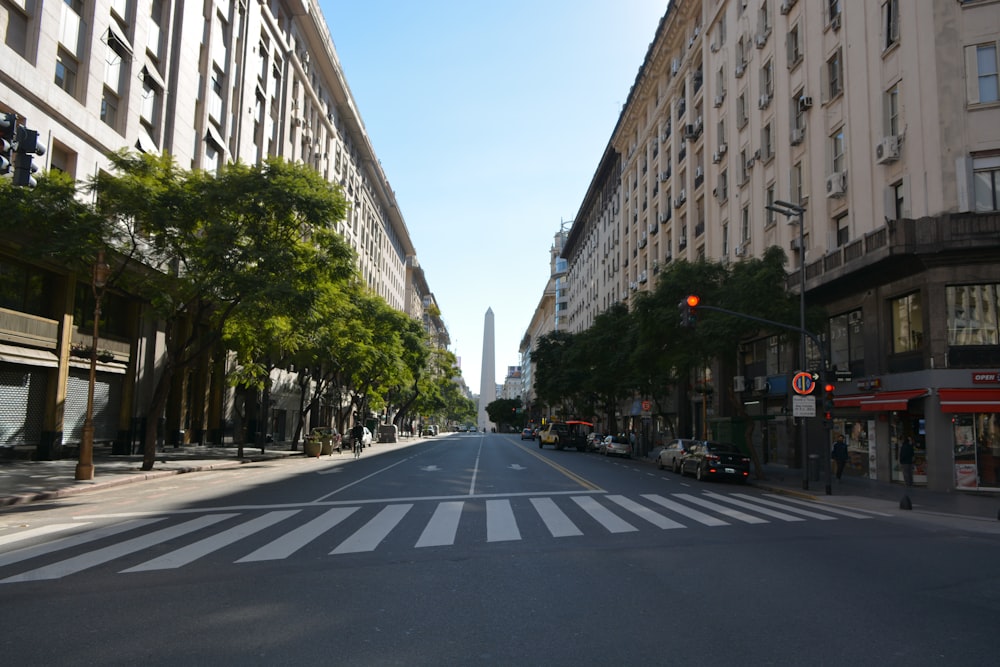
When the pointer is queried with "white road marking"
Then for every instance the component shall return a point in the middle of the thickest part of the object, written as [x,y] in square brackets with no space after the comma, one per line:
[782,516]
[649,515]
[603,515]
[287,544]
[500,523]
[441,529]
[794,510]
[555,519]
[686,511]
[372,533]
[72,540]
[35,532]
[853,512]
[726,511]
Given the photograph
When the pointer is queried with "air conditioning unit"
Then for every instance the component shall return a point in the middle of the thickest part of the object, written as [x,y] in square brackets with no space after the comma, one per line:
[798,136]
[664,175]
[785,7]
[854,317]
[794,245]
[764,100]
[760,383]
[716,157]
[683,195]
[740,69]
[643,277]
[739,250]
[887,150]
[718,101]
[663,218]
[739,383]
[760,41]
[835,22]
[675,66]
[699,172]
[633,286]
[836,184]
[805,102]
[690,132]
[750,161]
[723,148]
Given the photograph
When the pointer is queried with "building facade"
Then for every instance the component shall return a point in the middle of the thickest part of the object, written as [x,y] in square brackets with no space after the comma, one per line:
[209,82]
[877,118]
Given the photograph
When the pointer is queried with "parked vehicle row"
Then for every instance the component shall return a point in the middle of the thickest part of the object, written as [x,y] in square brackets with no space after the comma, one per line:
[704,458]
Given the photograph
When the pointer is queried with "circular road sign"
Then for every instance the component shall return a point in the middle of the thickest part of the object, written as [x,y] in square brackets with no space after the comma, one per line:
[803,383]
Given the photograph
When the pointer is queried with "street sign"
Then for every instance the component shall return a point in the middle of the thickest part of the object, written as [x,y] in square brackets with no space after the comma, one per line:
[803,383]
[646,405]
[803,406]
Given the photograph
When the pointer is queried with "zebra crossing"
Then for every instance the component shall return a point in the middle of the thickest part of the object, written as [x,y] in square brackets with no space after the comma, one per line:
[180,540]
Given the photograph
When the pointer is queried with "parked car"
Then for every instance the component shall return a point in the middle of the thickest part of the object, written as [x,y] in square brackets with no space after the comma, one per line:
[672,454]
[594,441]
[366,440]
[527,434]
[616,445]
[716,459]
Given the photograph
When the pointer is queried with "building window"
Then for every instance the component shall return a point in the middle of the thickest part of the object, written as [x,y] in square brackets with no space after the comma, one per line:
[66,66]
[795,179]
[847,349]
[838,161]
[109,108]
[907,324]
[767,142]
[981,72]
[890,22]
[972,314]
[833,9]
[842,230]
[741,111]
[892,111]
[834,72]
[986,183]
[768,202]
[793,45]
[767,78]
[897,201]
[745,224]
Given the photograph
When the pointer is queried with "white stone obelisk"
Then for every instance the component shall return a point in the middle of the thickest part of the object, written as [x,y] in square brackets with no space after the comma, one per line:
[487,379]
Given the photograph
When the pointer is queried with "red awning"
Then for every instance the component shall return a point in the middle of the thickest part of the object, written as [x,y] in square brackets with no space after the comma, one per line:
[892,400]
[850,401]
[970,400]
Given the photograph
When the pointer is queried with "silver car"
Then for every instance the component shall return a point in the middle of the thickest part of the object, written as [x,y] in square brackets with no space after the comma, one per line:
[616,445]
[672,455]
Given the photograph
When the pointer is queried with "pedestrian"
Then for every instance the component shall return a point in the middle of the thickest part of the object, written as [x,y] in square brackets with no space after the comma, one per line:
[906,460]
[839,455]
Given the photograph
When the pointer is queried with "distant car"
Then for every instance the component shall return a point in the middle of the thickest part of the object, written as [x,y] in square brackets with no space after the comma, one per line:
[527,434]
[616,445]
[673,453]
[716,459]
[366,439]
[594,441]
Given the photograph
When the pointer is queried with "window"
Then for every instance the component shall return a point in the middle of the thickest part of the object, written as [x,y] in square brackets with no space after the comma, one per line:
[722,190]
[745,224]
[986,184]
[838,160]
[66,66]
[793,45]
[795,183]
[833,9]
[744,166]
[834,85]
[23,287]
[842,230]
[769,201]
[907,323]
[741,110]
[972,314]
[847,340]
[798,111]
[890,23]
[981,73]
[109,108]
[892,111]
[767,78]
[767,142]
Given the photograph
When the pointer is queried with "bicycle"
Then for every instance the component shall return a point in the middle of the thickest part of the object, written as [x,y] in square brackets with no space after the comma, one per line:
[358,446]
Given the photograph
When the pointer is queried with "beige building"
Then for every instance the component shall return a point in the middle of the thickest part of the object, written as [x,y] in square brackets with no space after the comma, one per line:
[209,83]
[879,119]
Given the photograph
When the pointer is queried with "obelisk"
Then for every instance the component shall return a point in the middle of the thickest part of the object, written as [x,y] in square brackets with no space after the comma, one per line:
[487,379]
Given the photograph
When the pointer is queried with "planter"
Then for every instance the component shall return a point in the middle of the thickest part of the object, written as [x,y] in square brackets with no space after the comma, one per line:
[312,448]
[327,447]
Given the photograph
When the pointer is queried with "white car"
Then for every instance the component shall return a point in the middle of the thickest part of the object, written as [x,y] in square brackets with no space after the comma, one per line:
[366,439]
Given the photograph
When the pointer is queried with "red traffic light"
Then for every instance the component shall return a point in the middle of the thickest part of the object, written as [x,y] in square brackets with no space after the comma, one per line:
[693,300]
[829,387]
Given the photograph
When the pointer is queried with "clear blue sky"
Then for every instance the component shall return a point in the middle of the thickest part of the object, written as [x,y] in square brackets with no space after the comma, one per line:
[489,119]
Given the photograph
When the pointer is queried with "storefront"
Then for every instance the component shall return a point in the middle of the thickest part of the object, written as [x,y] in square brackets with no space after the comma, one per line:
[975,419]
[857,420]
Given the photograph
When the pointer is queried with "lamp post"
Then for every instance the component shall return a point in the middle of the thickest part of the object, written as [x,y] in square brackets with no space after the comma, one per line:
[85,464]
[790,210]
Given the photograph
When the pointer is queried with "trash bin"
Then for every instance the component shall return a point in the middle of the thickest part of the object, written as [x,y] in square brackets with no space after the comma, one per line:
[814,467]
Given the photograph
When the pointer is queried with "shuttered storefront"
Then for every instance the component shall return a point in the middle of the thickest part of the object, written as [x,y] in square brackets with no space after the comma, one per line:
[107,403]
[22,404]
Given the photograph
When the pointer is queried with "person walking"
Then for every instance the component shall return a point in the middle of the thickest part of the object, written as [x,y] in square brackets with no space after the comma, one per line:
[906,460]
[839,455]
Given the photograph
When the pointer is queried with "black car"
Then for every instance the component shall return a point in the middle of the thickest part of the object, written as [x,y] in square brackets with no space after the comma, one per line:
[716,459]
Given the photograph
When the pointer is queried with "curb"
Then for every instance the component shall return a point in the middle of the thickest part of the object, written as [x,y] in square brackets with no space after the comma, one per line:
[84,487]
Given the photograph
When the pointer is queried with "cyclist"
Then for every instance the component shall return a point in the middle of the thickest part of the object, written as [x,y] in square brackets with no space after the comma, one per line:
[358,436]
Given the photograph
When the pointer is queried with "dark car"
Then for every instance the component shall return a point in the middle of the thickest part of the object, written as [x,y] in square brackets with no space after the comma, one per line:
[527,434]
[673,453]
[716,459]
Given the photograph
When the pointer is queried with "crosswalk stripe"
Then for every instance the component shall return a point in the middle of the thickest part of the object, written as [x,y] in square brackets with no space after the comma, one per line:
[834,510]
[603,515]
[193,552]
[649,515]
[94,558]
[555,519]
[500,523]
[726,511]
[781,516]
[289,543]
[35,532]
[684,510]
[372,533]
[441,529]
[794,510]
[26,553]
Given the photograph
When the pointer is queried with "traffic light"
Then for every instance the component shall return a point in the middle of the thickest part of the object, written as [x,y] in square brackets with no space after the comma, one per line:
[828,391]
[688,310]
[8,123]
[26,148]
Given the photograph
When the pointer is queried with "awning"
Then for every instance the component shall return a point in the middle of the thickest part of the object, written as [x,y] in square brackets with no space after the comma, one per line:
[28,356]
[892,400]
[851,400]
[969,400]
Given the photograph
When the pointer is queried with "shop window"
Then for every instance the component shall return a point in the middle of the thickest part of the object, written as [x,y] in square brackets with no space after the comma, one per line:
[907,324]
[977,449]
[972,314]
[847,350]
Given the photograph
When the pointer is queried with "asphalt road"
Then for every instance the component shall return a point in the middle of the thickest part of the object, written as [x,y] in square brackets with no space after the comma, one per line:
[482,549]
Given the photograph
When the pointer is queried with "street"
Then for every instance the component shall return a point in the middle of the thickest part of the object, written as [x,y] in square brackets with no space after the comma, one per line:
[473,548]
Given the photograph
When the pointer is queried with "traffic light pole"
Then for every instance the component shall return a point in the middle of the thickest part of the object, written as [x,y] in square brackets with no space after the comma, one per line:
[823,361]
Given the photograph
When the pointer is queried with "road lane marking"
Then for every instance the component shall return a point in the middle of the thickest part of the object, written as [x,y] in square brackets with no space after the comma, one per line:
[794,510]
[782,516]
[35,532]
[603,515]
[289,543]
[72,540]
[572,475]
[835,510]
[649,515]
[555,519]
[193,552]
[500,523]
[372,533]
[684,510]
[109,553]
[441,529]
[721,509]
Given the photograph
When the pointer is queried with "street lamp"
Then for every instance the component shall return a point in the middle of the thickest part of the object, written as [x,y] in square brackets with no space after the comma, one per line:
[790,210]
[98,280]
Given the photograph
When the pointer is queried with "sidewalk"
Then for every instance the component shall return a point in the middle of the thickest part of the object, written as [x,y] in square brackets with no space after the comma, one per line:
[29,481]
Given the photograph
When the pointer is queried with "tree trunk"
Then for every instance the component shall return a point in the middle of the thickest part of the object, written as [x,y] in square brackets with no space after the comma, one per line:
[156,407]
